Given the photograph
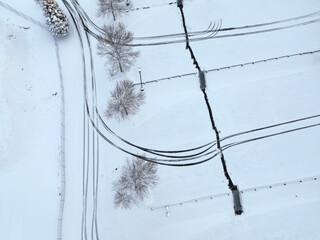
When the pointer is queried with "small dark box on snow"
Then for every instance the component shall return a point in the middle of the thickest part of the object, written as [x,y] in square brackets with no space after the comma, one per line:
[202,79]
[236,201]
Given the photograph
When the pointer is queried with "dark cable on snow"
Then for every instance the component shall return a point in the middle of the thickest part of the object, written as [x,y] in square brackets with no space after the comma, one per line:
[234,189]
[152,159]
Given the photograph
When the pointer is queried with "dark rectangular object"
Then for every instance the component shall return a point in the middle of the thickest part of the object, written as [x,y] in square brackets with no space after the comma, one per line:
[202,79]
[236,201]
[180,3]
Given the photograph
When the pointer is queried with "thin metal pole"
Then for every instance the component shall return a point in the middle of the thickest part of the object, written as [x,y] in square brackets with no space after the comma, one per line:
[141,88]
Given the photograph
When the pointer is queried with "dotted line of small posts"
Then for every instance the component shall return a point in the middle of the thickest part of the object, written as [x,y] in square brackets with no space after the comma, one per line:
[253,189]
[232,66]
[149,6]
[62,146]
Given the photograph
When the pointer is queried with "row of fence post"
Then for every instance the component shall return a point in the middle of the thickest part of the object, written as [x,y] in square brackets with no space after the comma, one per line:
[231,66]
[149,6]
[247,190]
[62,147]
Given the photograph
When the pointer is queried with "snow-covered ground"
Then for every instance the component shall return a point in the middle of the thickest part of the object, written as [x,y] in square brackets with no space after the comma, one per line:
[174,117]
[29,130]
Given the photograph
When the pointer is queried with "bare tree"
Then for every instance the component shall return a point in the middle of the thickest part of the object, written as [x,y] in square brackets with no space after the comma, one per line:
[134,184]
[123,198]
[143,175]
[124,101]
[56,20]
[115,7]
[114,46]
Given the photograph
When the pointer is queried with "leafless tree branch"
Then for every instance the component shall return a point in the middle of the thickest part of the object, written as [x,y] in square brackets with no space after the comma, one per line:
[114,46]
[136,180]
[124,101]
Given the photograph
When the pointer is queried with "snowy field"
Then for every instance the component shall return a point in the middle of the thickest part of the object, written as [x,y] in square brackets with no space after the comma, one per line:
[278,174]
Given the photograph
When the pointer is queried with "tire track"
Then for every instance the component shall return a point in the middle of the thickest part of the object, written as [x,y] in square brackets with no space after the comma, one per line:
[98,32]
[155,160]
[196,33]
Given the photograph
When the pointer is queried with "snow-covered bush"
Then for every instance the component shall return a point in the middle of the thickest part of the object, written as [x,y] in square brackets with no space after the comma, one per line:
[56,20]
[124,101]
[134,184]
[114,46]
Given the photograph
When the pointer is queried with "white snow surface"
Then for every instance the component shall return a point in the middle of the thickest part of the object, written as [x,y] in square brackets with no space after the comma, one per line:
[174,117]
